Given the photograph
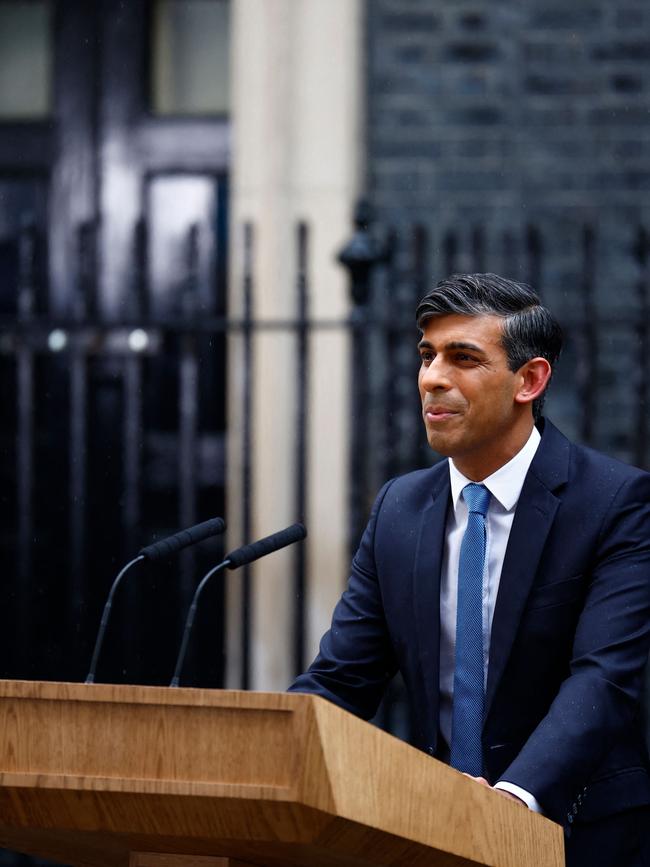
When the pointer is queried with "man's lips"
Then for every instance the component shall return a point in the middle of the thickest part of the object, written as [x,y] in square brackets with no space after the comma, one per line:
[435,412]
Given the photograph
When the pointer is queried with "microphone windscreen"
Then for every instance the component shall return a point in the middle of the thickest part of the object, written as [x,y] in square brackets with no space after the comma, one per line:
[184,538]
[267,545]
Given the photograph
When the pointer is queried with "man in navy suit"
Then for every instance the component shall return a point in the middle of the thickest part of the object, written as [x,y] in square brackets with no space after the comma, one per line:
[520,625]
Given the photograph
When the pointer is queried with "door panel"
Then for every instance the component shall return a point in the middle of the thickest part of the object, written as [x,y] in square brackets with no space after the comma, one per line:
[112,359]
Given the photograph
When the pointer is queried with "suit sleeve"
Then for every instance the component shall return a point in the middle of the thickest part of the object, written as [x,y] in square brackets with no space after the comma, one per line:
[599,700]
[356,659]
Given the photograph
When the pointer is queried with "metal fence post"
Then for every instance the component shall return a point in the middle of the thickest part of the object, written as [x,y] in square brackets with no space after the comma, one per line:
[361,255]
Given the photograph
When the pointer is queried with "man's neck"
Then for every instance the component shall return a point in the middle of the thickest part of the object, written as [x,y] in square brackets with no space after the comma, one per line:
[478,467]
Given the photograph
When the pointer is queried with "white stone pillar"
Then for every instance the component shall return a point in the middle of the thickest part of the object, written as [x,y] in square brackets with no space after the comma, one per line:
[297,82]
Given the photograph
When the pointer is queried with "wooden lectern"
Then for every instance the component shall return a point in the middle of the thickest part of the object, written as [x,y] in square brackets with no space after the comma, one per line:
[152,777]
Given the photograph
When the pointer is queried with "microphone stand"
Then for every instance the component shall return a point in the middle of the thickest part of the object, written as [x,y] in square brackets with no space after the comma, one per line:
[105,615]
[190,621]
[239,557]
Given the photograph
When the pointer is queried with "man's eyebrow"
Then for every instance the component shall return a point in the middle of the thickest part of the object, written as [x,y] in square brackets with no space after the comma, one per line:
[460,344]
[455,344]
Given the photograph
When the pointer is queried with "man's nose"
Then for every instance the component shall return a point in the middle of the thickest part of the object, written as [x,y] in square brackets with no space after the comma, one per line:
[436,375]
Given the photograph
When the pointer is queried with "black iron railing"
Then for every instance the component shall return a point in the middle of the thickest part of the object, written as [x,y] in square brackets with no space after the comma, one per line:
[114,431]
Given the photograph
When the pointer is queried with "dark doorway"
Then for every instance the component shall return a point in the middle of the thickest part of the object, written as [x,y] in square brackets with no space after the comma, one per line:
[113,222]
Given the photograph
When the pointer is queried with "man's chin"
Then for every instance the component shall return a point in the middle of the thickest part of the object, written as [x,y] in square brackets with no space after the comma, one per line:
[441,445]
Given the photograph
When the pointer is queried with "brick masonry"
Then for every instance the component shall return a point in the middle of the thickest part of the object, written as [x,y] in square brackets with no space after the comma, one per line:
[500,115]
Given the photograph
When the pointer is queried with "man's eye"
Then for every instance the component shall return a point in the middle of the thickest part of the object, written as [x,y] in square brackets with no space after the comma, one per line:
[426,357]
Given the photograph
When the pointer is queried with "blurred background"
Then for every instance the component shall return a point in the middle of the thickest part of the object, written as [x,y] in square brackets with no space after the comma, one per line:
[216,218]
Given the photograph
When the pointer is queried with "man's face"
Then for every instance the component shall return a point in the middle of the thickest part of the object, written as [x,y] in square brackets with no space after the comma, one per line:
[468,393]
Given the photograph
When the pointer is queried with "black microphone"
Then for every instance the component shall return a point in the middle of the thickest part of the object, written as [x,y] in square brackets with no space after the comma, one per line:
[267,545]
[238,557]
[155,551]
[183,538]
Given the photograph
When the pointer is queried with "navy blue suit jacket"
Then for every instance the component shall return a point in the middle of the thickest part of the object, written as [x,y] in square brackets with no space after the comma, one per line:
[570,633]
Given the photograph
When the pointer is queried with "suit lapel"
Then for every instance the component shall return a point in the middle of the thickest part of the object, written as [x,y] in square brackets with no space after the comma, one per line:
[426,584]
[532,523]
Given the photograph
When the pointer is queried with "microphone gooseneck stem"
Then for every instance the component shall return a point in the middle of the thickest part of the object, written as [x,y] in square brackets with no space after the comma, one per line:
[105,615]
[189,622]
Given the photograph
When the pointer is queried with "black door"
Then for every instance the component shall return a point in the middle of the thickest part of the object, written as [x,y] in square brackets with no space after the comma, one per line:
[113,219]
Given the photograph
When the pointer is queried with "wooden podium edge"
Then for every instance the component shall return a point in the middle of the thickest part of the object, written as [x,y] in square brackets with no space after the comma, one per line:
[446,810]
[344,775]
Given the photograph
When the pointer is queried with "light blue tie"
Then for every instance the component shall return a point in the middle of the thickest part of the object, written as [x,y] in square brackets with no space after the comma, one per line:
[467,715]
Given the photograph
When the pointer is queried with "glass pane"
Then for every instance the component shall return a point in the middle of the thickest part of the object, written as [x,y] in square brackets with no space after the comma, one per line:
[176,204]
[25,60]
[190,56]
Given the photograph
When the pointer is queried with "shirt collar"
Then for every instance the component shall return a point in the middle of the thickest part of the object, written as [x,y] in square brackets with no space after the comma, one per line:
[506,483]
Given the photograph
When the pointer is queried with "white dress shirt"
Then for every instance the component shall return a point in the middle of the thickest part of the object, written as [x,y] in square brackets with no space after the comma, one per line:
[505,486]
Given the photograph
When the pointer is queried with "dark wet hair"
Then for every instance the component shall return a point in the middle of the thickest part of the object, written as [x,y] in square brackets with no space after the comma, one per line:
[529,329]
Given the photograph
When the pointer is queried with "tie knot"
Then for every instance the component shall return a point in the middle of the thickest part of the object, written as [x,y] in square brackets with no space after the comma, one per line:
[477,498]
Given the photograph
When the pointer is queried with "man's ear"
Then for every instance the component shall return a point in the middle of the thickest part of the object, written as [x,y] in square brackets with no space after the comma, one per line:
[534,376]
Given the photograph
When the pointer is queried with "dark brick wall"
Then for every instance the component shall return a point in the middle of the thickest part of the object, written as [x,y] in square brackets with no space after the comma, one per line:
[501,115]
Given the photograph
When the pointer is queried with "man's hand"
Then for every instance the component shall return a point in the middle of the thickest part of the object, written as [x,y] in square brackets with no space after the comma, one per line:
[509,795]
